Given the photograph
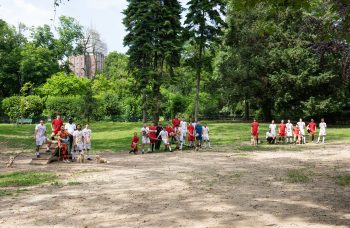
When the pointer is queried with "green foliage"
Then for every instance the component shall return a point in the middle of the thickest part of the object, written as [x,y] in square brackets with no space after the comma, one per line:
[61,84]
[343,180]
[298,176]
[69,106]
[22,107]
[25,178]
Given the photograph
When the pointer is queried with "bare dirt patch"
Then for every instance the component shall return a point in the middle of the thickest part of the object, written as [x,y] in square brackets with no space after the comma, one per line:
[188,189]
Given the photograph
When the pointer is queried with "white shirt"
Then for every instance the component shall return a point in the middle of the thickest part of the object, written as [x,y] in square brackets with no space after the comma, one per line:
[40,131]
[205,131]
[70,128]
[164,134]
[301,126]
[145,131]
[273,129]
[87,135]
[183,125]
[78,136]
[323,127]
[289,127]
[269,135]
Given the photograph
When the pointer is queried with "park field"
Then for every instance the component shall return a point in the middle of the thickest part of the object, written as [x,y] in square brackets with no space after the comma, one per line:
[116,136]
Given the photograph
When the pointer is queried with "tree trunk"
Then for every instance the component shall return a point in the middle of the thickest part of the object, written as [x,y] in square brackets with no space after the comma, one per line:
[198,77]
[156,96]
[144,105]
[246,109]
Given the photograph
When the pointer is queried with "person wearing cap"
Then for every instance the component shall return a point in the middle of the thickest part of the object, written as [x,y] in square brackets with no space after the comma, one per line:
[70,128]
[270,137]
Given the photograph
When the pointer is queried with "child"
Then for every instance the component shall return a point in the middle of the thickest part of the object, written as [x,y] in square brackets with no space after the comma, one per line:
[206,140]
[322,133]
[312,129]
[282,132]
[134,144]
[152,135]
[190,130]
[40,137]
[199,135]
[145,138]
[254,130]
[165,138]
[87,140]
[289,127]
[63,139]
[296,132]
[78,139]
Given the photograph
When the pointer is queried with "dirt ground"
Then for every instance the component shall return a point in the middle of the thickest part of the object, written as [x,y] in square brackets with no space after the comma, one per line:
[188,189]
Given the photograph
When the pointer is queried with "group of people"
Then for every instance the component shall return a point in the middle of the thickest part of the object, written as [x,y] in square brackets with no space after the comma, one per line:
[289,133]
[71,138]
[175,133]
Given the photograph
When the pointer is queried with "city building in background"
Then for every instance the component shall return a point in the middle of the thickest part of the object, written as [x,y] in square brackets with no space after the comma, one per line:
[91,61]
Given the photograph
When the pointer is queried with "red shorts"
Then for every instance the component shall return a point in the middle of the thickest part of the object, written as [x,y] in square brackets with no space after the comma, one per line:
[152,139]
[282,134]
[255,134]
[55,131]
[191,138]
[134,146]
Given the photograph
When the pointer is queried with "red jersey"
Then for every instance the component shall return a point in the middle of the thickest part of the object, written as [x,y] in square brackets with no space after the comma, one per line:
[296,131]
[135,140]
[169,130]
[255,127]
[312,127]
[190,129]
[282,128]
[176,122]
[57,124]
[152,134]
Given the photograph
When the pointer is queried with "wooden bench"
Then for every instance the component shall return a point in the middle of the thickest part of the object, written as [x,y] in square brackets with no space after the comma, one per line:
[24,121]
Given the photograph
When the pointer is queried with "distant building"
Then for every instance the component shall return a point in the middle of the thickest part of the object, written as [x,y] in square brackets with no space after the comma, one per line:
[93,61]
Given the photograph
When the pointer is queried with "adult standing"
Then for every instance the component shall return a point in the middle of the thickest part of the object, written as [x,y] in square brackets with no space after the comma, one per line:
[153,135]
[312,128]
[159,141]
[183,126]
[56,126]
[301,126]
[289,127]
[70,128]
[254,130]
[273,126]
[323,127]
[176,121]
[198,132]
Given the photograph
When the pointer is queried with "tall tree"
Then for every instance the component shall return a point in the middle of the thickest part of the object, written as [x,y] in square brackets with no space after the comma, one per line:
[204,23]
[154,45]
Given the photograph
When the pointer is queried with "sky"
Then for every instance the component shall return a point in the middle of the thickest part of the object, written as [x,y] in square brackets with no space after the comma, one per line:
[103,15]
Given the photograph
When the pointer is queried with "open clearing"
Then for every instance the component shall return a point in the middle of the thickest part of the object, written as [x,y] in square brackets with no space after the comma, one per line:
[216,188]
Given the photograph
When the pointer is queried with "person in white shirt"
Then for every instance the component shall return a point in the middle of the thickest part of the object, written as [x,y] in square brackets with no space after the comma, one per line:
[165,138]
[183,126]
[301,126]
[289,127]
[270,137]
[145,138]
[272,127]
[70,128]
[205,135]
[87,140]
[78,138]
[322,133]
[40,137]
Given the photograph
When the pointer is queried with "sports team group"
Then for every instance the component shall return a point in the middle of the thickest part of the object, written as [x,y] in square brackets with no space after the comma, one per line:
[287,132]
[73,140]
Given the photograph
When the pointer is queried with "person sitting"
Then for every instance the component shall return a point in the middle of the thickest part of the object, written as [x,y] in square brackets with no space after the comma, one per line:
[270,138]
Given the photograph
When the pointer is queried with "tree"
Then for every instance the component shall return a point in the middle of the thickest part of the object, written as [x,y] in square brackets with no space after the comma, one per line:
[153,38]
[204,24]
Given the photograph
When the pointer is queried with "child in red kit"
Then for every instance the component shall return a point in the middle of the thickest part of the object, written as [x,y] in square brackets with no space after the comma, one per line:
[134,144]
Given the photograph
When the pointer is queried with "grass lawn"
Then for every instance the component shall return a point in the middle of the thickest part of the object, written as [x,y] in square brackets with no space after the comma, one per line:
[113,136]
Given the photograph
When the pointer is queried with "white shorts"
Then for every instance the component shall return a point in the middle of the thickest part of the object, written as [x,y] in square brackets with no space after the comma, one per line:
[79,147]
[302,132]
[165,141]
[205,137]
[289,134]
[40,141]
[87,146]
[322,133]
[145,140]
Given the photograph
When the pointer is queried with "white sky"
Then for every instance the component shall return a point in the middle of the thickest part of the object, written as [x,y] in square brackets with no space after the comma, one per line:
[103,15]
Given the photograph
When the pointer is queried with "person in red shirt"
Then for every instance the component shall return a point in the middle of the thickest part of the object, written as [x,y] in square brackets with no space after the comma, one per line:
[282,131]
[153,135]
[254,130]
[63,139]
[171,132]
[56,126]
[311,128]
[176,121]
[191,138]
[296,132]
[134,144]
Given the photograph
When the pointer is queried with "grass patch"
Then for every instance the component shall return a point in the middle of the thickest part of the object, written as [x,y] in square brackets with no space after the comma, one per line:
[343,180]
[73,183]
[298,176]
[11,192]
[30,178]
